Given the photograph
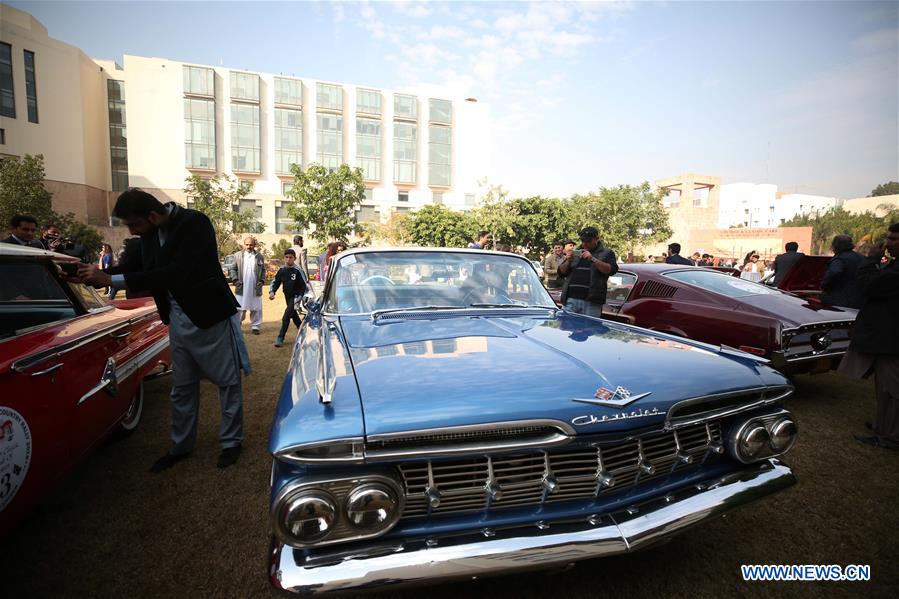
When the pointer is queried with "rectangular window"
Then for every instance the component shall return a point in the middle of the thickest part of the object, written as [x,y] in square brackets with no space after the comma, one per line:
[367,214]
[402,196]
[288,91]
[199,133]
[250,206]
[329,132]
[405,150]
[118,134]
[368,148]
[288,139]
[245,138]
[369,194]
[405,107]
[283,222]
[329,97]
[470,199]
[438,198]
[441,111]
[245,86]
[440,151]
[368,102]
[199,81]
[2,137]
[30,87]
[7,96]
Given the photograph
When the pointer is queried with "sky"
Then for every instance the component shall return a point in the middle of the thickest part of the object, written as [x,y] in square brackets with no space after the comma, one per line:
[804,95]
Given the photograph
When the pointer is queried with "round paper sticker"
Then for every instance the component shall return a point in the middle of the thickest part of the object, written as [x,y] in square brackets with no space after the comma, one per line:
[15,453]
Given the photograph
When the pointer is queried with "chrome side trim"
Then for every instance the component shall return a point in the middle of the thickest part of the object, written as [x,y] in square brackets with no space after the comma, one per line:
[565,434]
[824,324]
[288,454]
[383,566]
[23,364]
[767,396]
[113,375]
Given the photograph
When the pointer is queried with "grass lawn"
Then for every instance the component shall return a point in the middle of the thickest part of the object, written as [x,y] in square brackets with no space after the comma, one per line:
[113,530]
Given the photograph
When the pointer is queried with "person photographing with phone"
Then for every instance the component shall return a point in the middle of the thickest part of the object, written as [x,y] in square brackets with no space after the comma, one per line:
[585,273]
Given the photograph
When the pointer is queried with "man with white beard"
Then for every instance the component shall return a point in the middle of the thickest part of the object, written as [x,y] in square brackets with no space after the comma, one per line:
[248,276]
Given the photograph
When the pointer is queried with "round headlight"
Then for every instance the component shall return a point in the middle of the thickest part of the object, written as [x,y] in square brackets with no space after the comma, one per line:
[371,507]
[309,516]
[783,434]
[754,441]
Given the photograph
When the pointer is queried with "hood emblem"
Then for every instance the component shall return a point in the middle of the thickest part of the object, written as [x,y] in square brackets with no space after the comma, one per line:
[618,398]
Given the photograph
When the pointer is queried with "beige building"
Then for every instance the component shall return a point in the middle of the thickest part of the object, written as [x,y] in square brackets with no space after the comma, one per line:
[875,204]
[692,203]
[54,103]
[153,122]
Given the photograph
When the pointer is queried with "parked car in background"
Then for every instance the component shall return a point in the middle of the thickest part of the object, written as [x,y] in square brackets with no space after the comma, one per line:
[797,335]
[442,419]
[804,277]
[227,265]
[538,267]
[72,368]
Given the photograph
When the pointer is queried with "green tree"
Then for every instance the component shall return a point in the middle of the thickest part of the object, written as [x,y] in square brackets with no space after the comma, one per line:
[496,213]
[216,198]
[279,248]
[862,227]
[885,189]
[326,200]
[394,232]
[437,225]
[22,191]
[627,216]
[538,223]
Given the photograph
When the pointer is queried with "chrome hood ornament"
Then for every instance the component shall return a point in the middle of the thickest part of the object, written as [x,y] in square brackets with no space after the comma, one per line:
[618,398]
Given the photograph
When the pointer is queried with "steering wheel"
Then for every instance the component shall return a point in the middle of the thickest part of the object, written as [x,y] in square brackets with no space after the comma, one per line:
[499,296]
[367,280]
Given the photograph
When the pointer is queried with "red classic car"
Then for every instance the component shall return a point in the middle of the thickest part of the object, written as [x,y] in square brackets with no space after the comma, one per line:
[72,368]
[804,277]
[702,304]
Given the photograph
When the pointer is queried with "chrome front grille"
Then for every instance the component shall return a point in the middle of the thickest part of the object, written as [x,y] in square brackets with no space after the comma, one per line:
[485,483]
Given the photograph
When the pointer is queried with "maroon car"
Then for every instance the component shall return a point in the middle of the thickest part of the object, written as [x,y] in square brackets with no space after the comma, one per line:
[706,305]
[804,277]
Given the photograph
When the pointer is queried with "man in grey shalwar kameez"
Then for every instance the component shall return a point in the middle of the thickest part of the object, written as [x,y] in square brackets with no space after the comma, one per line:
[178,263]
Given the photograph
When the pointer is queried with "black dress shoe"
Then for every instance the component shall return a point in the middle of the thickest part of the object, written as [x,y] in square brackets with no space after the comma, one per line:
[167,461]
[229,456]
[255,331]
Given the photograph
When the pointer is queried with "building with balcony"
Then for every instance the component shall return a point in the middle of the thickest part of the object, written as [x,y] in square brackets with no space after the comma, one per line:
[153,122]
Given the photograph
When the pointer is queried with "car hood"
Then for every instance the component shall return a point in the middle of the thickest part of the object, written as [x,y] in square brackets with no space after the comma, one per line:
[422,374]
[793,311]
[806,273]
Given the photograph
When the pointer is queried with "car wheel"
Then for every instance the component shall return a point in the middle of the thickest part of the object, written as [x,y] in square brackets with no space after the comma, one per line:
[132,417]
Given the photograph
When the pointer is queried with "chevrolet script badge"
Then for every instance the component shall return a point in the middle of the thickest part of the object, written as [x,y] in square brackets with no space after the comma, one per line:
[618,398]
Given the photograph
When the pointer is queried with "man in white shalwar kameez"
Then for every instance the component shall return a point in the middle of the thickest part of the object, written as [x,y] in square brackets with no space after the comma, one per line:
[248,275]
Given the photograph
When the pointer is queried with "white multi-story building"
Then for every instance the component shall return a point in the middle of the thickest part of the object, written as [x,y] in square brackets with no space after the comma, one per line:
[762,206]
[153,122]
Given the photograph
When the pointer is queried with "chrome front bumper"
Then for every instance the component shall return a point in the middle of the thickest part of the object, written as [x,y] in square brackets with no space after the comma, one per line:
[547,544]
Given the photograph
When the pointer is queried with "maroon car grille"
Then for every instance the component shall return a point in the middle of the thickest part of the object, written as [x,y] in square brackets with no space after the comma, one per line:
[464,485]
[656,289]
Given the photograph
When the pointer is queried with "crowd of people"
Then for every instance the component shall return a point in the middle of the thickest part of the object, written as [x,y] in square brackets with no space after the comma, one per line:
[173,257]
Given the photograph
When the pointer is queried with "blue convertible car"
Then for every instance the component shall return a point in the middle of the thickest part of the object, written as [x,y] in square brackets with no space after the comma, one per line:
[442,419]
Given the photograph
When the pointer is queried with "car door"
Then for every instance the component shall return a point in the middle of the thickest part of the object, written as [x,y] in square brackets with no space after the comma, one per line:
[36,415]
[98,397]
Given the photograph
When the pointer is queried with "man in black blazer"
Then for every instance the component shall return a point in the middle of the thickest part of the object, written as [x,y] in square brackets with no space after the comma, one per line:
[178,264]
[874,345]
[22,230]
[674,256]
[784,262]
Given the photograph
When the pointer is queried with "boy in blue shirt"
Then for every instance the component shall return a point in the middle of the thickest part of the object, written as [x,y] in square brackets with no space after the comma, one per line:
[295,284]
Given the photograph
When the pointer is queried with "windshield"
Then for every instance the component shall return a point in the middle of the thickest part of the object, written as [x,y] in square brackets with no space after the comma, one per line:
[367,282]
[722,283]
